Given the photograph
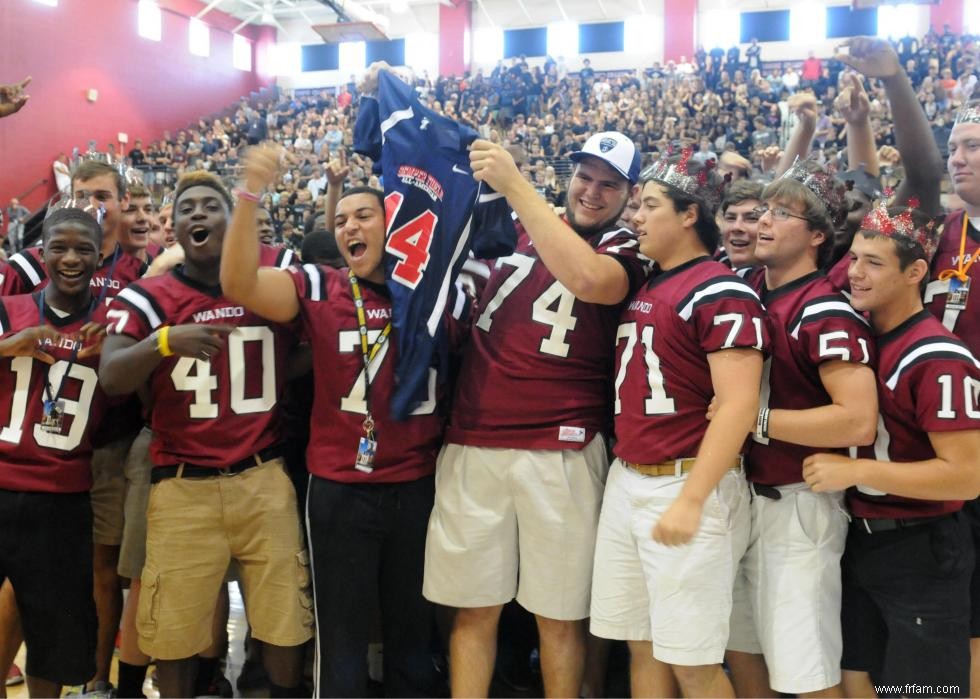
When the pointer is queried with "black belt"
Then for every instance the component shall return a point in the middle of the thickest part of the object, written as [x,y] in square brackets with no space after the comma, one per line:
[766,491]
[875,526]
[185,470]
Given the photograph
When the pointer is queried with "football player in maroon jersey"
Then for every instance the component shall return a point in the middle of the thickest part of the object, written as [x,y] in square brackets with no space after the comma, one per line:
[817,392]
[909,556]
[52,400]
[948,293]
[371,478]
[675,517]
[520,483]
[220,491]
[740,224]
[136,221]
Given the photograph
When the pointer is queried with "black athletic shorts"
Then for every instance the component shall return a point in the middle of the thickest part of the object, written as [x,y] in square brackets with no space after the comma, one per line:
[906,606]
[971,510]
[46,552]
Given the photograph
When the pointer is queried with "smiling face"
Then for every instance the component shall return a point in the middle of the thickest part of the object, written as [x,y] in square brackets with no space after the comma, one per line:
[596,196]
[200,220]
[263,225]
[71,254]
[739,229]
[359,226]
[876,277]
[101,191]
[137,222]
[964,162]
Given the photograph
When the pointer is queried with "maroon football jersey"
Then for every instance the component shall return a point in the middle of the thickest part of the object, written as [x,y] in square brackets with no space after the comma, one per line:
[537,372]
[965,324]
[406,450]
[837,274]
[25,271]
[928,381]
[214,412]
[810,323]
[32,459]
[272,256]
[666,332]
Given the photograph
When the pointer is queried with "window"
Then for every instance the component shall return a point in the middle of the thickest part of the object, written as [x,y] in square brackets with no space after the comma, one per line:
[353,57]
[241,52]
[563,39]
[642,34]
[897,20]
[971,18]
[149,20]
[488,45]
[422,52]
[719,28]
[807,23]
[285,59]
[199,38]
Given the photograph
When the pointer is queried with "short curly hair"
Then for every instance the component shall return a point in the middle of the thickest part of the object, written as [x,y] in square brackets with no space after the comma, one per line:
[202,178]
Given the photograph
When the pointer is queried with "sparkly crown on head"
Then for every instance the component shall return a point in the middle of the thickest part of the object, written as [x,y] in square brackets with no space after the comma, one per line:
[969,113]
[678,176]
[902,225]
[831,192]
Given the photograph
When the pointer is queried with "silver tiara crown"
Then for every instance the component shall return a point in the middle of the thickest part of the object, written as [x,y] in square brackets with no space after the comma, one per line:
[673,174]
[969,113]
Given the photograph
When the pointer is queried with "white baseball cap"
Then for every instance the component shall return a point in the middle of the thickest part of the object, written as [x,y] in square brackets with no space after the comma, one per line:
[615,149]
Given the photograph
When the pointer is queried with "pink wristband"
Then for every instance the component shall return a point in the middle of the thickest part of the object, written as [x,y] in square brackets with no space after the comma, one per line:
[247,195]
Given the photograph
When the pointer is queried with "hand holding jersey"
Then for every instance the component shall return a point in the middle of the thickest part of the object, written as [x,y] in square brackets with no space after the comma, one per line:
[606,171]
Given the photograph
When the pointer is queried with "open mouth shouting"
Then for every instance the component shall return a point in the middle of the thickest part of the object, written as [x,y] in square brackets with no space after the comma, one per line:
[199,235]
[356,249]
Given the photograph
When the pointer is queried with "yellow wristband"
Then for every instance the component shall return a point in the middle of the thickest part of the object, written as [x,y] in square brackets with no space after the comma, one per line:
[163,344]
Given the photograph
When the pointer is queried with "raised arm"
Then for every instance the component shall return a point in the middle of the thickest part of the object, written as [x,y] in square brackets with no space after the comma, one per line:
[855,108]
[268,291]
[804,105]
[913,137]
[590,276]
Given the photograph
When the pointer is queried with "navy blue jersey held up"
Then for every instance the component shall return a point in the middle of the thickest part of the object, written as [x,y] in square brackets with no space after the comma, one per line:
[435,213]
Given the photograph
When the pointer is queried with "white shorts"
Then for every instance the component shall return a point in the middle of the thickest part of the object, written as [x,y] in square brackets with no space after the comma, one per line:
[515,523]
[679,597]
[788,591]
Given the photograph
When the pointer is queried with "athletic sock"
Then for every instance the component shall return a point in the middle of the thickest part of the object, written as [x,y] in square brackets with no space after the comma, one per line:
[131,679]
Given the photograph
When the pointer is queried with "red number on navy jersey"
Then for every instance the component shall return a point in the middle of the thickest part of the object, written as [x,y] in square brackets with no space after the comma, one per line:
[410,242]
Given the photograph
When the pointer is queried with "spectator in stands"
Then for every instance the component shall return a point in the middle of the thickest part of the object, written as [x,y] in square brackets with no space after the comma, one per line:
[17,214]
[812,69]
[62,174]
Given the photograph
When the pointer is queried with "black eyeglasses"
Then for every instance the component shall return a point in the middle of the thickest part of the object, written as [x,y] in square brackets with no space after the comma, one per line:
[778,213]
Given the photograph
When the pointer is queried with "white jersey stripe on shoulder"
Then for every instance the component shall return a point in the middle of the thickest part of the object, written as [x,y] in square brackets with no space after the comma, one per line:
[823,307]
[460,301]
[287,259]
[394,118]
[26,267]
[931,348]
[488,197]
[739,287]
[141,303]
[313,281]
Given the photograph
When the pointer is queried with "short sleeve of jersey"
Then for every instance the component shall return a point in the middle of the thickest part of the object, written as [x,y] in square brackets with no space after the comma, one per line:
[623,245]
[310,282]
[828,329]
[21,274]
[946,392]
[728,315]
[134,313]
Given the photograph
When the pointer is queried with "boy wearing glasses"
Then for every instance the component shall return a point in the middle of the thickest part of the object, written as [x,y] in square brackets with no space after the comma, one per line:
[817,393]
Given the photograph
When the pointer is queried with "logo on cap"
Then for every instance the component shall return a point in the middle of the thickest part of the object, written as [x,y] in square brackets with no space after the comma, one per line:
[607,144]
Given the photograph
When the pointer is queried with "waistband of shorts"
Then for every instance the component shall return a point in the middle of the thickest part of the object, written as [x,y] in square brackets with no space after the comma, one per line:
[187,470]
[677,467]
[876,526]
